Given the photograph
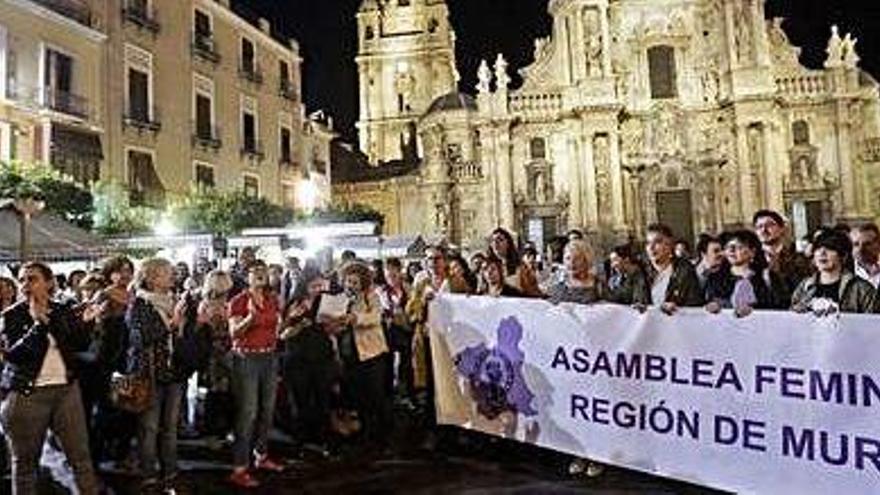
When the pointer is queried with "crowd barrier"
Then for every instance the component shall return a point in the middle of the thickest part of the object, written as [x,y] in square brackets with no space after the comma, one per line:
[776,402]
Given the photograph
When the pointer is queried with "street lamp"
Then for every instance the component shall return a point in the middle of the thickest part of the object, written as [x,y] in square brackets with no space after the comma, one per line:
[27,208]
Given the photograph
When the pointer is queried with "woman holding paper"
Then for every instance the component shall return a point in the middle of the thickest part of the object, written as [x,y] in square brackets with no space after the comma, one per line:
[368,371]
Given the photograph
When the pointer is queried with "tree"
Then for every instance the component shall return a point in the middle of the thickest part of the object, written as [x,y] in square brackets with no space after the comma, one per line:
[348,213]
[62,196]
[228,212]
[114,215]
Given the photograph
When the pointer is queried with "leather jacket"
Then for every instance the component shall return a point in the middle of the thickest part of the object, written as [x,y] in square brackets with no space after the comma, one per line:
[25,344]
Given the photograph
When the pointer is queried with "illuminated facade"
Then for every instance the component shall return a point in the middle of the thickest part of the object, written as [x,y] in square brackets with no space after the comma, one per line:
[691,112]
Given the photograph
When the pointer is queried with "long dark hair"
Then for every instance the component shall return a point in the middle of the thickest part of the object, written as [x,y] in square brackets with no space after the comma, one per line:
[511,258]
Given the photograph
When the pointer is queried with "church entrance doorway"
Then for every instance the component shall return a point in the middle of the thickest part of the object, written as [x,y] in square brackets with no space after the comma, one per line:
[674,209]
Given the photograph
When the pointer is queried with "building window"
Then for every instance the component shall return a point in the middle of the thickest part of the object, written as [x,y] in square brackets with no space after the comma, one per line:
[537,149]
[800,131]
[288,194]
[138,95]
[285,146]
[144,185]
[204,111]
[251,186]
[369,33]
[285,87]
[661,67]
[249,68]
[202,24]
[204,177]
[58,85]
[249,132]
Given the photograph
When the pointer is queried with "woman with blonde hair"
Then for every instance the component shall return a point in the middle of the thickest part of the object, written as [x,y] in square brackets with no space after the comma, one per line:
[213,321]
[579,284]
[154,328]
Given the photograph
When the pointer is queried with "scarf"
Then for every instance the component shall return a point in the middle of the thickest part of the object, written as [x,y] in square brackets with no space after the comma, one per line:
[162,303]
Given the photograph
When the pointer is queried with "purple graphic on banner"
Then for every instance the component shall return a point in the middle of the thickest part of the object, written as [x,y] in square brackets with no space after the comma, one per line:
[495,374]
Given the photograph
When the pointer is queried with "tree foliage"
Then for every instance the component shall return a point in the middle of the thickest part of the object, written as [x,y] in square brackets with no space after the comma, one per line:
[228,212]
[348,213]
[62,196]
[114,215]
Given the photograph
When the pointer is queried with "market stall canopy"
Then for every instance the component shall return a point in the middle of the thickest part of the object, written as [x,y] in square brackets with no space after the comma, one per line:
[51,238]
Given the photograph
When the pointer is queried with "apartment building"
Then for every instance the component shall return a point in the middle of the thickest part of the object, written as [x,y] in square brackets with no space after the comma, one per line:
[180,94]
[51,105]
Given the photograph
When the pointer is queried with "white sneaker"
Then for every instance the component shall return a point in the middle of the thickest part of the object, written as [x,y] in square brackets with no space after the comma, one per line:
[594,469]
[577,467]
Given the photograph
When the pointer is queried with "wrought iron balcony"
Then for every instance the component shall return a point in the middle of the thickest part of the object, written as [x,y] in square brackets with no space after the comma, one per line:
[141,119]
[65,102]
[287,90]
[207,136]
[140,16]
[204,46]
[253,149]
[251,72]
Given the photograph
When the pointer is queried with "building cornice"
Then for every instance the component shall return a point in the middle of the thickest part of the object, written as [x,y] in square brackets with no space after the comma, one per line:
[66,22]
[252,31]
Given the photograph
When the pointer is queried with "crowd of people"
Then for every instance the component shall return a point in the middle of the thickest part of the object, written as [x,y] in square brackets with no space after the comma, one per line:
[272,346]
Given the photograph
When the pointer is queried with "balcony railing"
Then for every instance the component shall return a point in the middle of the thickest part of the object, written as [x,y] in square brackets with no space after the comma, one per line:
[251,72]
[253,149]
[287,90]
[144,18]
[143,120]
[65,102]
[77,10]
[207,136]
[204,46]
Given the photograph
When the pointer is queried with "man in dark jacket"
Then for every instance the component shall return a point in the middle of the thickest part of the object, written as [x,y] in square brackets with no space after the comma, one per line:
[39,339]
[672,281]
[782,258]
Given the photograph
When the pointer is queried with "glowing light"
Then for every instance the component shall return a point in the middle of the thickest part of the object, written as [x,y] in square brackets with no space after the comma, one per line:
[307,192]
[165,227]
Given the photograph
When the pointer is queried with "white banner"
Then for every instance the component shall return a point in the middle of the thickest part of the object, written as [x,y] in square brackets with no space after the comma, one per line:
[776,403]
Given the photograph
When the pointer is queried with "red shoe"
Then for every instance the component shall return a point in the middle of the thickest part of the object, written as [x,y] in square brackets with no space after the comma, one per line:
[265,463]
[243,479]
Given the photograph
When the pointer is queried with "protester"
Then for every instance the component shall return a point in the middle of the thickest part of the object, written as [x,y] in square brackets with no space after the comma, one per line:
[712,257]
[213,320]
[8,293]
[428,283]
[289,280]
[782,258]
[580,284]
[90,286]
[529,273]
[673,281]
[834,287]
[741,283]
[309,369]
[683,250]
[502,246]
[367,370]
[394,296]
[253,324]
[626,283]
[155,334]
[866,252]
[494,283]
[461,279]
[39,382]
[74,294]
[246,258]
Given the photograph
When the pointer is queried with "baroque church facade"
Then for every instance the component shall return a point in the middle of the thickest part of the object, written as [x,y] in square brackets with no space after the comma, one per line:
[695,113]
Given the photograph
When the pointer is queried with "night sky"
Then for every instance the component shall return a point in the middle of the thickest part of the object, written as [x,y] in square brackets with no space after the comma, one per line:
[326,31]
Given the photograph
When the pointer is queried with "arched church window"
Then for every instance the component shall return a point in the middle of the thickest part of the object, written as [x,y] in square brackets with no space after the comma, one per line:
[537,149]
[800,131]
[661,69]
[369,33]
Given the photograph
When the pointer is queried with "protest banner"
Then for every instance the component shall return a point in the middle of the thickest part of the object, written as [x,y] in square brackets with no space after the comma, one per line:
[776,402]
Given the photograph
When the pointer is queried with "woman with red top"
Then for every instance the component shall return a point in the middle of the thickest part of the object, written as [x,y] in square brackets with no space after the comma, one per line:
[253,324]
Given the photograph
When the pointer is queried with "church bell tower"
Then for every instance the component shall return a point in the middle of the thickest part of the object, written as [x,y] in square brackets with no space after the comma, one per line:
[406,59]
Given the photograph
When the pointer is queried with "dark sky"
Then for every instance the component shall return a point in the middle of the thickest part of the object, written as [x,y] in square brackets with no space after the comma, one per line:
[326,32]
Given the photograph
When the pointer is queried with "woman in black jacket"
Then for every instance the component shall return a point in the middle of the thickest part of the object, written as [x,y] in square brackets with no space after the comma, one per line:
[744,283]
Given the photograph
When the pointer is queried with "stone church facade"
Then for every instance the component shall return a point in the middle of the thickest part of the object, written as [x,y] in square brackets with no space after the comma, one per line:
[691,112]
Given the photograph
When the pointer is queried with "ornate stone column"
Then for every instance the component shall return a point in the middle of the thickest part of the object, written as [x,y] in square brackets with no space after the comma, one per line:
[849,207]
[588,193]
[746,203]
[775,166]
[606,41]
[575,186]
[506,207]
[617,215]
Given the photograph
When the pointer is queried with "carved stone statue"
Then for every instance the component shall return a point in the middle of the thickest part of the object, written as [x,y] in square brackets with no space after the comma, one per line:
[484,77]
[834,49]
[849,57]
[594,56]
[501,78]
[602,165]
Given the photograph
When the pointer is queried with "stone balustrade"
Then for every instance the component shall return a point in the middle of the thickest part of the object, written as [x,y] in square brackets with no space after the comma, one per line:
[466,171]
[805,85]
[536,103]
